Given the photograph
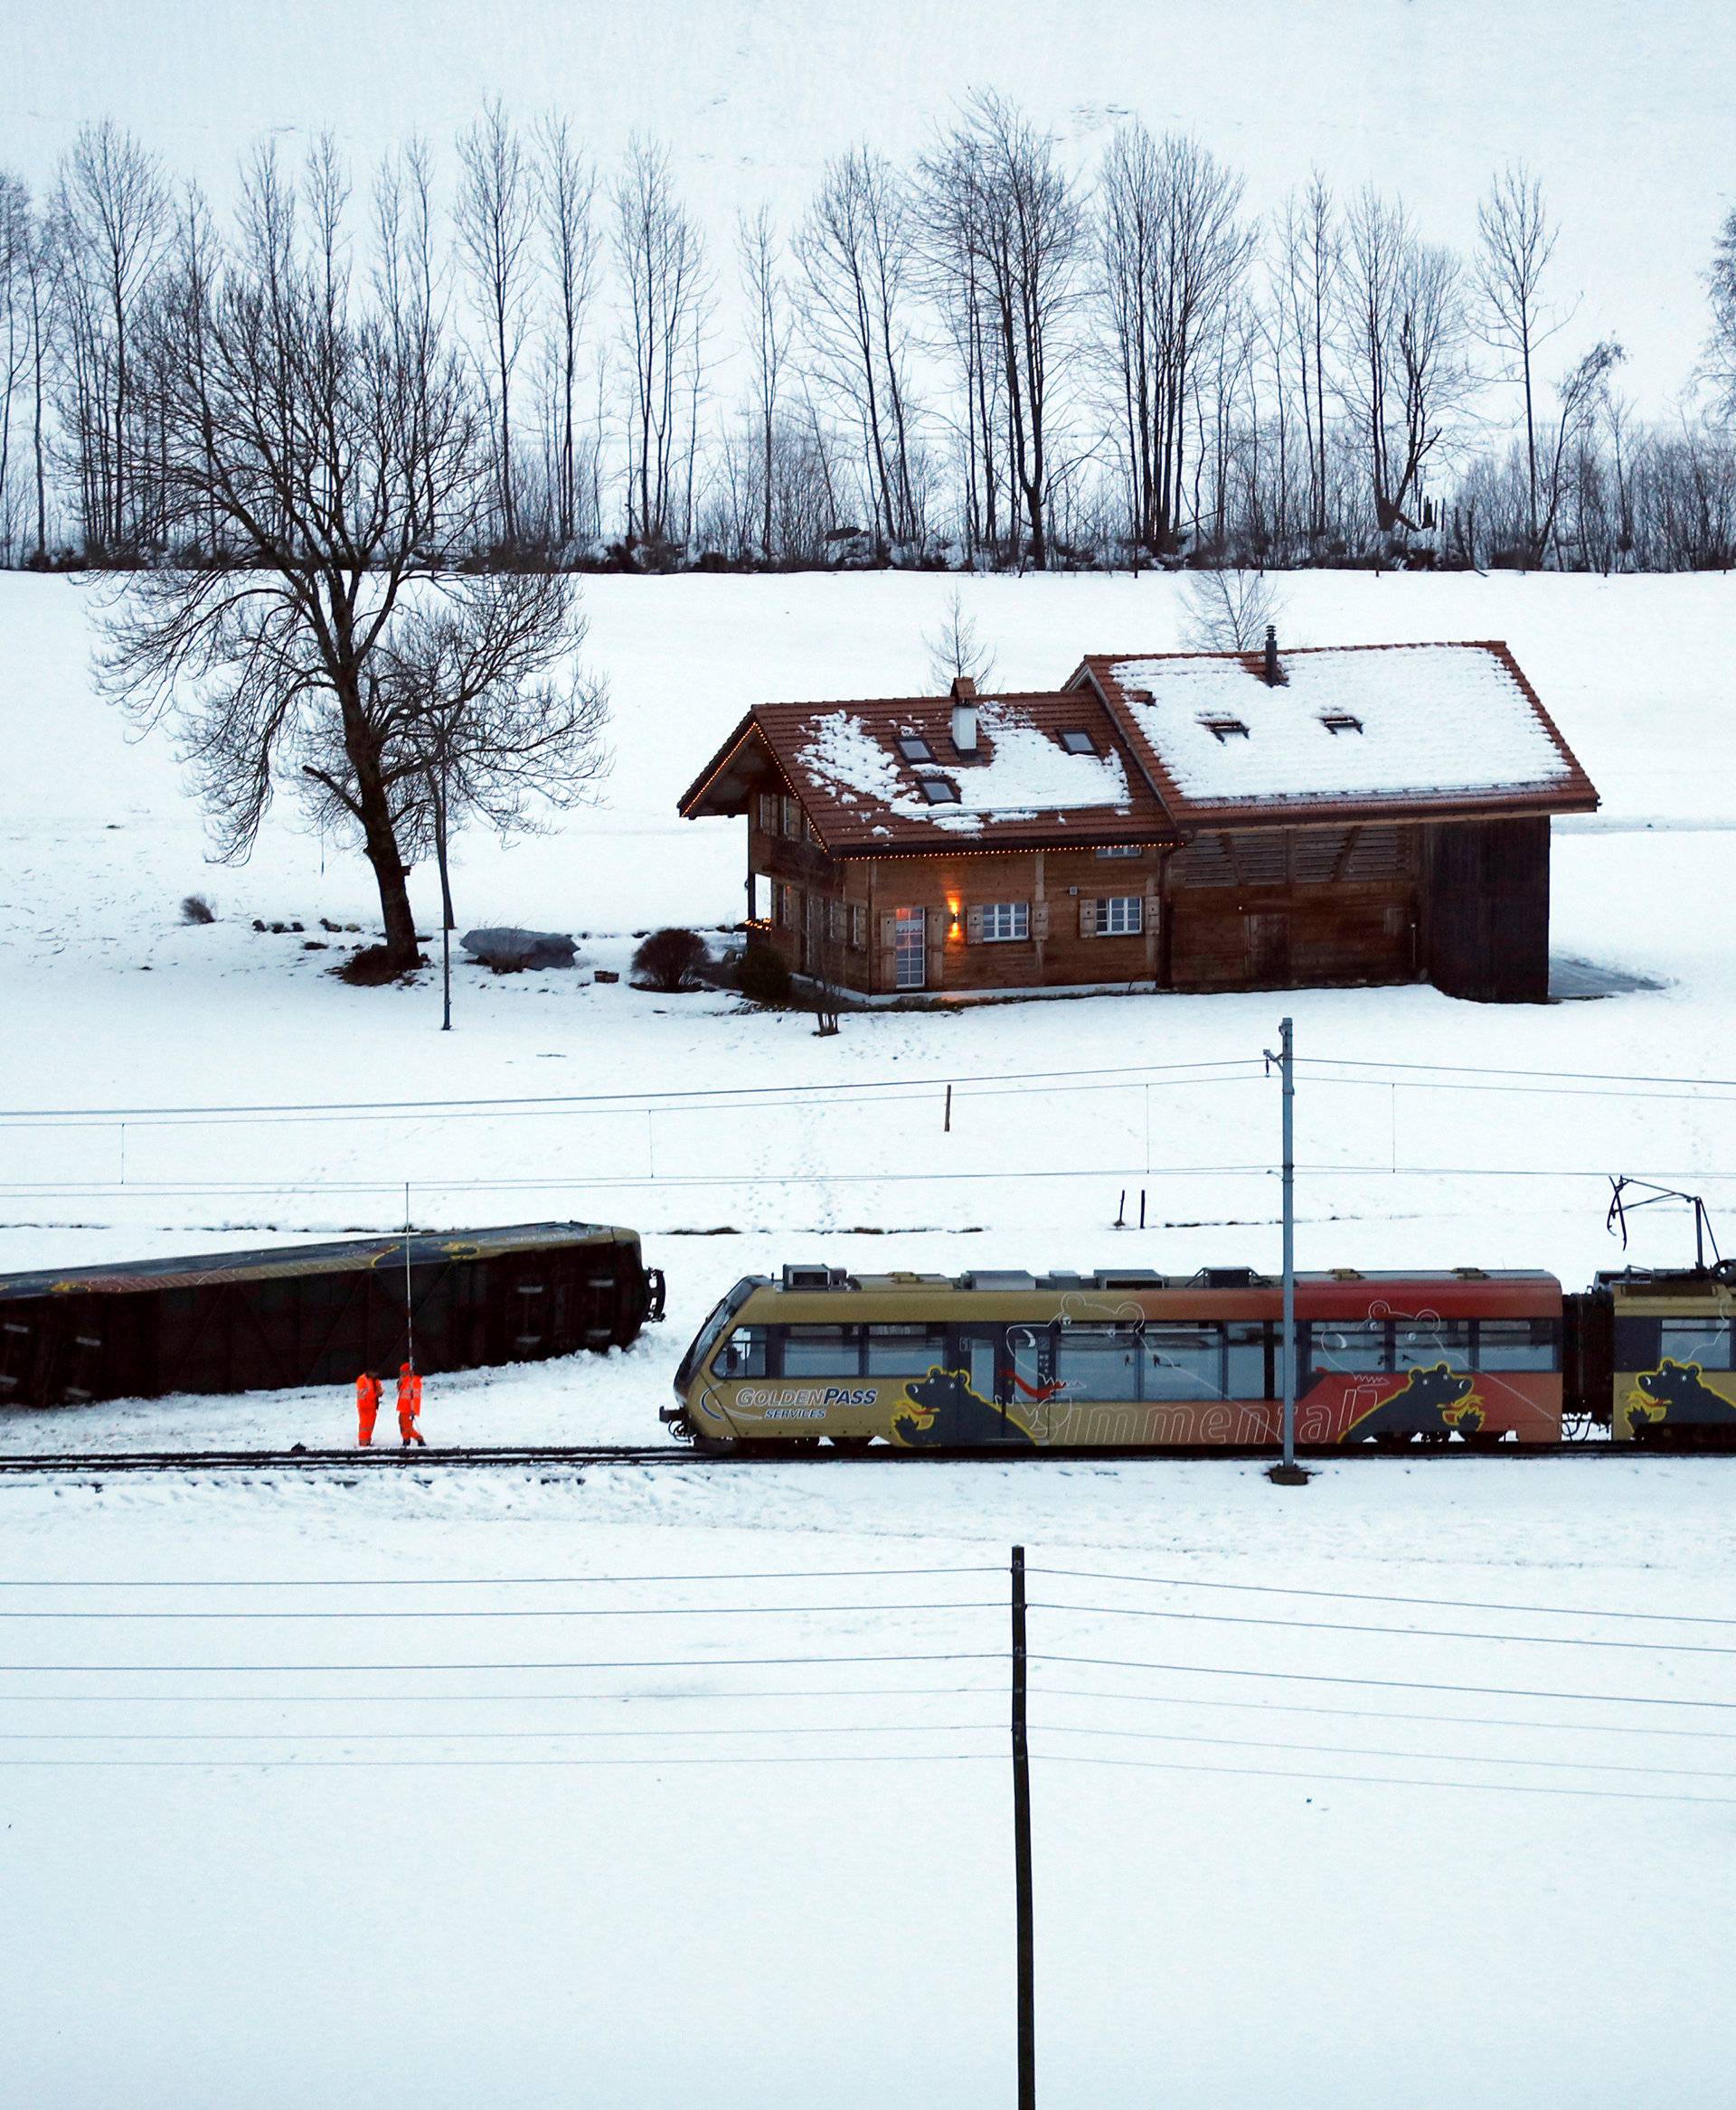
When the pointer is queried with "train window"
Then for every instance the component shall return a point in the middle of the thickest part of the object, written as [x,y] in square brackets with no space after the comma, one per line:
[1636,1343]
[1702,1341]
[1098,1362]
[743,1354]
[822,1351]
[1349,1346]
[1244,1362]
[905,1352]
[1419,1342]
[1518,1344]
[1182,1363]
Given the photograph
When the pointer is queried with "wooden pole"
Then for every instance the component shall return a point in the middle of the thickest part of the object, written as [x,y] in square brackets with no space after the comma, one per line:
[1022,1851]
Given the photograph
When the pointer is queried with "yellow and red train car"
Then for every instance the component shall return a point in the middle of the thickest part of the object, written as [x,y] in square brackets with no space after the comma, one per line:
[1120,1359]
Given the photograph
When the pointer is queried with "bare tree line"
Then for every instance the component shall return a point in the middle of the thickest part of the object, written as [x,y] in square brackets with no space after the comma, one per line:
[986,358]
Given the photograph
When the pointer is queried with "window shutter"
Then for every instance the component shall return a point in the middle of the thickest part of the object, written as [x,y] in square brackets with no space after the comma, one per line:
[973,927]
[1039,919]
[1087,918]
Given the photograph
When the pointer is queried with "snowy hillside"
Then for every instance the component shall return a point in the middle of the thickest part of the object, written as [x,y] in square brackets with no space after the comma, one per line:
[722,1814]
[113,1002]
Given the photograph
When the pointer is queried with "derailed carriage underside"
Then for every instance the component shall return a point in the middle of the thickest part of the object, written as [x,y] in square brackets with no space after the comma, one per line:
[317,1314]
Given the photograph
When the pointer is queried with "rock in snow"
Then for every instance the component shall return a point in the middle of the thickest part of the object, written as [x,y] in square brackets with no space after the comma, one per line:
[507,948]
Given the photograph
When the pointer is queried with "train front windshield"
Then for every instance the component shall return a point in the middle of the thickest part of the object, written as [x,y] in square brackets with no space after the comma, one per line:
[700,1348]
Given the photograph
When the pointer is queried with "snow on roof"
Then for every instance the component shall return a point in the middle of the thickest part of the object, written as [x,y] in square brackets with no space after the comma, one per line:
[1025,771]
[1415,718]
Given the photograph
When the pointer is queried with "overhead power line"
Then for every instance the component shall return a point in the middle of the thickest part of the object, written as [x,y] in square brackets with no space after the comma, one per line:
[1504,1787]
[1387,1684]
[1688,1648]
[1180,1582]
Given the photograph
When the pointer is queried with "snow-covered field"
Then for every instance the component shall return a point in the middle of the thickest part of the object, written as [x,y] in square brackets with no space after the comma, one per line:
[210,1927]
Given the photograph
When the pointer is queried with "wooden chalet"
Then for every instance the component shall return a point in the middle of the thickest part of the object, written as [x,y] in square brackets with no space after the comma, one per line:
[1368,814]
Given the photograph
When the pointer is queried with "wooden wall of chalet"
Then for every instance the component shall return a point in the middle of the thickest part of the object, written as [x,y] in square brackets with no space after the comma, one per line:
[1277,908]
[1464,904]
[1487,917]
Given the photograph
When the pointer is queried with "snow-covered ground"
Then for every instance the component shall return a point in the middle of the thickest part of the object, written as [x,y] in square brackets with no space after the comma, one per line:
[566,1886]
[208,1927]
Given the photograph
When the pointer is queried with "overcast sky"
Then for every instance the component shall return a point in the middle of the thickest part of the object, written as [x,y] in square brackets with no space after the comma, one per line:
[1624,108]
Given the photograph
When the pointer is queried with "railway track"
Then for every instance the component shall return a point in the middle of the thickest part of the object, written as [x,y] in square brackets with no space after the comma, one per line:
[103,1463]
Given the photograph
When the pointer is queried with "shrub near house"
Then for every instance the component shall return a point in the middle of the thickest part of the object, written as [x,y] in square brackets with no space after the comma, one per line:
[1188,821]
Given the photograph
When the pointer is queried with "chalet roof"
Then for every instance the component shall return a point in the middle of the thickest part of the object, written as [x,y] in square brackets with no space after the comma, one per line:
[1022,786]
[1372,730]
[1176,741]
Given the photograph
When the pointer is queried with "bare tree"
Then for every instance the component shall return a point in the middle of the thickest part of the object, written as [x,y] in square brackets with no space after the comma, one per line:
[769,331]
[338,448]
[856,251]
[1173,254]
[1228,611]
[1406,378]
[1720,359]
[955,650]
[495,214]
[567,185]
[1306,298]
[662,266]
[1515,241]
[17,240]
[481,719]
[113,218]
[995,191]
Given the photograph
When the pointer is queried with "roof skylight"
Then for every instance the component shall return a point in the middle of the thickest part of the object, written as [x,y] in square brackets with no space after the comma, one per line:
[938,791]
[1224,728]
[914,748]
[1078,741]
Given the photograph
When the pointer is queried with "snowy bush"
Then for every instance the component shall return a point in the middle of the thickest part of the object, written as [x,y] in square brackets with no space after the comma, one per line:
[195,908]
[669,961]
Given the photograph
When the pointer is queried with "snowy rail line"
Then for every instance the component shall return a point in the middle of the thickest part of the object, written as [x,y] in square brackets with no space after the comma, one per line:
[60,1463]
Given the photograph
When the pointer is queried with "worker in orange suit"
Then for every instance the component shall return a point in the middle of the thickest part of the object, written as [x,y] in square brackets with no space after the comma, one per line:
[409,1405]
[367,1406]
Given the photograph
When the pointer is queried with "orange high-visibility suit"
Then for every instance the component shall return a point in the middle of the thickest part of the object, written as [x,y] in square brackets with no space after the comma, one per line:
[367,1406]
[409,1405]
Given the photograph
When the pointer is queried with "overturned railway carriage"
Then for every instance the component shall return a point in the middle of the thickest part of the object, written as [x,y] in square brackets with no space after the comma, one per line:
[317,1314]
[1125,1359]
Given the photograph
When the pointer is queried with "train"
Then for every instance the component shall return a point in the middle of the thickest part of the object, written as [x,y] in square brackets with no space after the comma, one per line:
[316,1314]
[1129,1359]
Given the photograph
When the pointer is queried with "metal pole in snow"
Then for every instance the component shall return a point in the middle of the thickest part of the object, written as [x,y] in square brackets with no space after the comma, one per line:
[1286,1059]
[409,1316]
[1022,1852]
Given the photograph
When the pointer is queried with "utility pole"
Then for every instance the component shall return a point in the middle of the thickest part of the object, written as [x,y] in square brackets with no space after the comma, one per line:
[1022,1851]
[1287,1473]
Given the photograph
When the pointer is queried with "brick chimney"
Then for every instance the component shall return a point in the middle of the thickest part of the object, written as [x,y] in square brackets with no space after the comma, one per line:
[964,714]
[1272,675]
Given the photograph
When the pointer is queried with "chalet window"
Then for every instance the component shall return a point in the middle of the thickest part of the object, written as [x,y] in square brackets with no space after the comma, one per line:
[1004,922]
[1116,915]
[1340,722]
[1119,850]
[837,921]
[794,820]
[785,906]
[938,791]
[858,928]
[915,748]
[1225,728]
[768,807]
[1077,741]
